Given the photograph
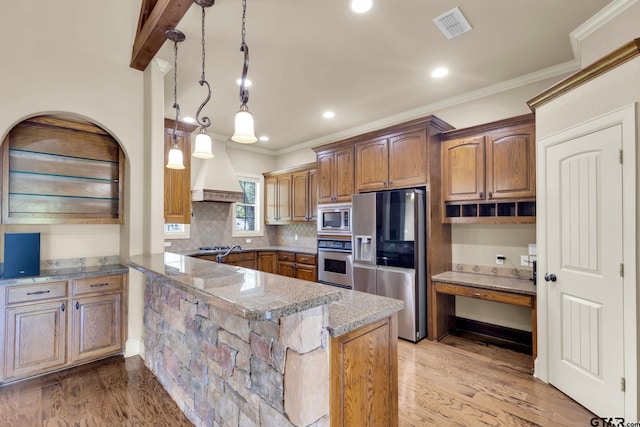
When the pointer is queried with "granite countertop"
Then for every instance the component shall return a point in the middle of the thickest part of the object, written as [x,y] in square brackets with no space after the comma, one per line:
[483,281]
[67,274]
[256,295]
[248,293]
[300,250]
[356,309]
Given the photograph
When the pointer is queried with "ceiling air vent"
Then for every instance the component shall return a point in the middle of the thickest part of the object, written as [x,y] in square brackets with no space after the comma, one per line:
[452,23]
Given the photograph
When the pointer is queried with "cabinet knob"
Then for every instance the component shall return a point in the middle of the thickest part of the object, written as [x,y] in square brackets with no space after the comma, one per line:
[490,195]
[390,182]
[63,306]
[77,305]
[481,194]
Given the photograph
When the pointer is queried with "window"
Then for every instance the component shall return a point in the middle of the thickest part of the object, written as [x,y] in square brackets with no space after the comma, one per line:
[176,231]
[248,213]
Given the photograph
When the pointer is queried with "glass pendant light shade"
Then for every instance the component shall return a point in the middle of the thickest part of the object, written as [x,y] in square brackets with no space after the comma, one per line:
[203,146]
[175,159]
[244,133]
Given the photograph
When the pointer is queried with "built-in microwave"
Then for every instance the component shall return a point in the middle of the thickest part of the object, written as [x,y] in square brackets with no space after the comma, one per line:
[334,219]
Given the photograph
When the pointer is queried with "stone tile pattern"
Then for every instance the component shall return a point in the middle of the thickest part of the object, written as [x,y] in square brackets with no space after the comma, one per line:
[224,370]
[515,273]
[211,224]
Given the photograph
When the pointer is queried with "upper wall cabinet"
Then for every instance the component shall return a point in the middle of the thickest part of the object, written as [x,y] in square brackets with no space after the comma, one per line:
[394,161]
[488,172]
[177,182]
[290,195]
[61,170]
[335,165]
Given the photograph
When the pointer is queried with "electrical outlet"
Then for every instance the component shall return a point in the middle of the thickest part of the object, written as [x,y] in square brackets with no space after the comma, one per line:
[167,244]
[524,260]
[500,259]
[247,240]
[295,237]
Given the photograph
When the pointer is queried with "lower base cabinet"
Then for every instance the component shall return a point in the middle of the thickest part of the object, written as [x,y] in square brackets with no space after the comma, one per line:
[55,325]
[364,375]
[300,266]
[36,337]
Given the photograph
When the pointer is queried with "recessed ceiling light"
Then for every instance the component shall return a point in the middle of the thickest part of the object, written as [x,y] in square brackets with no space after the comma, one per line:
[264,138]
[188,120]
[361,6]
[439,72]
[247,82]
[328,114]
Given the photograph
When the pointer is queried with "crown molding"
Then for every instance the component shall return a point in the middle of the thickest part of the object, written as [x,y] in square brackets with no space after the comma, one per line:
[594,23]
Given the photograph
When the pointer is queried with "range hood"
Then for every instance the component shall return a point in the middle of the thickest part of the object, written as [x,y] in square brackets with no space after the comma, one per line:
[214,180]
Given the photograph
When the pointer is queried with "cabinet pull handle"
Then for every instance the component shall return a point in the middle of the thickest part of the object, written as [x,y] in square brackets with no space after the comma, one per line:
[99,285]
[63,306]
[77,305]
[38,292]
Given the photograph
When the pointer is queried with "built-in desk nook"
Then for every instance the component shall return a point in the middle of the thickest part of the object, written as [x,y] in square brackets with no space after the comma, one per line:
[447,285]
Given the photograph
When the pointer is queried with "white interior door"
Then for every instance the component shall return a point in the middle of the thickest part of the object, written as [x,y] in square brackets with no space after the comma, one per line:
[584,251]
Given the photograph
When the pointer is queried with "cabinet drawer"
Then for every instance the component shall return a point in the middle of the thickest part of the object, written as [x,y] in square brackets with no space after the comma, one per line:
[306,259]
[97,284]
[28,293]
[242,256]
[485,294]
[286,256]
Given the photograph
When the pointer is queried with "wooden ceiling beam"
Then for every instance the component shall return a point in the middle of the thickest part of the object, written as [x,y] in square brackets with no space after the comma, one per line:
[156,16]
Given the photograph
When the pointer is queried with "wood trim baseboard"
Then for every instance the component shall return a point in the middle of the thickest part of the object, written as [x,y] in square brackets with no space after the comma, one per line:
[502,336]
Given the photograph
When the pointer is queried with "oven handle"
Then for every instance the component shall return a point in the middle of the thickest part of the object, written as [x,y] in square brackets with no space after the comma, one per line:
[334,250]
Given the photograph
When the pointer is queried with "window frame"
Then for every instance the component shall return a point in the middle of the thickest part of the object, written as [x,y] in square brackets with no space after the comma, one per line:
[259,206]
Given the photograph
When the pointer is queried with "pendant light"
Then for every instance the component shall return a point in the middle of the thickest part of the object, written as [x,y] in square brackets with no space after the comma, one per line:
[175,158]
[244,132]
[203,140]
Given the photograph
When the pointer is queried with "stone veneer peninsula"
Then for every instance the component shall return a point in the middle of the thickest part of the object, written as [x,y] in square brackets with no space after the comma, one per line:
[238,347]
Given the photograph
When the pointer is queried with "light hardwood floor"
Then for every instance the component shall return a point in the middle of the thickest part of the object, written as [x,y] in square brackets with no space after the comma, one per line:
[454,382]
[461,382]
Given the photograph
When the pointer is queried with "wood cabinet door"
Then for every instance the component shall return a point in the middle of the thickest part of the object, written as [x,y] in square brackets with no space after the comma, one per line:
[361,361]
[463,169]
[287,269]
[270,200]
[408,159]
[36,338]
[511,164]
[268,262]
[307,272]
[299,196]
[372,165]
[177,182]
[284,199]
[326,178]
[313,195]
[96,327]
[344,174]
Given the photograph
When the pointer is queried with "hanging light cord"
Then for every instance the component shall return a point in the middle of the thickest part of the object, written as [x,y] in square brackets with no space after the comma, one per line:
[244,92]
[174,138]
[204,122]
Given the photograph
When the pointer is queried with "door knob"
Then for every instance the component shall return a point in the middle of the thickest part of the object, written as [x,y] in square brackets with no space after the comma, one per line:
[550,277]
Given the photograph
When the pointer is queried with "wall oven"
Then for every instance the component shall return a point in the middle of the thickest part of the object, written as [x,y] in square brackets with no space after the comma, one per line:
[335,263]
[334,219]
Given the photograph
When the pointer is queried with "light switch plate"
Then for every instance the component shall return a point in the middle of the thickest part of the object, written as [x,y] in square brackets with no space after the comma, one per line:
[532,249]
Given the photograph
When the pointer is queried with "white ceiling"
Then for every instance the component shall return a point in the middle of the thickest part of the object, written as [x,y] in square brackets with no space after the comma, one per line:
[308,56]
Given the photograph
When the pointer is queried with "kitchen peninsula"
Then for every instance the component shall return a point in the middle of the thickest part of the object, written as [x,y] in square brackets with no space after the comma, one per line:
[238,346]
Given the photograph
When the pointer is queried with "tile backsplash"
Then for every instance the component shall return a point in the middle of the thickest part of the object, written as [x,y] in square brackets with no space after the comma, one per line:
[211,224]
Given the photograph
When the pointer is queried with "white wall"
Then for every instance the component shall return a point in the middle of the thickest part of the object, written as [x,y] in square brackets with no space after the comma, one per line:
[73,56]
[478,244]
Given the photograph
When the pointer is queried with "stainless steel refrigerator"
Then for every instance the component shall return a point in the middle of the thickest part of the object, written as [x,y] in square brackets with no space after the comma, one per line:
[388,237]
